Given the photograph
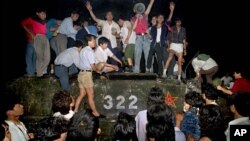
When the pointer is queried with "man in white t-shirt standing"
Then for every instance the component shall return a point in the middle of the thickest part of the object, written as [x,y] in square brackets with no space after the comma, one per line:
[110,29]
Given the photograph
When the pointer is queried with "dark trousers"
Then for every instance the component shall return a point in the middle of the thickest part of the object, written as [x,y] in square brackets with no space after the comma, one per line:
[158,50]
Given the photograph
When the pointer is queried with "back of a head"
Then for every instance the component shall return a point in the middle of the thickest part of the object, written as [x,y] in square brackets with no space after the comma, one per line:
[160,123]
[155,96]
[241,102]
[159,113]
[124,129]
[194,99]
[61,102]
[211,119]
[210,91]
[51,128]
[78,43]
[83,126]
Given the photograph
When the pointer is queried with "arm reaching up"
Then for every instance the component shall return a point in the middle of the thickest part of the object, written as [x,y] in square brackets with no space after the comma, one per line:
[149,7]
[89,7]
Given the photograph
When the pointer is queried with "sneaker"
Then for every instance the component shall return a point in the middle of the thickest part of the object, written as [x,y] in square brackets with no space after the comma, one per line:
[164,76]
[52,71]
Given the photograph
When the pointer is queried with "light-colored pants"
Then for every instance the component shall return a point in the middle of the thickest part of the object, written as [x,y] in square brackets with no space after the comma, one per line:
[141,44]
[42,49]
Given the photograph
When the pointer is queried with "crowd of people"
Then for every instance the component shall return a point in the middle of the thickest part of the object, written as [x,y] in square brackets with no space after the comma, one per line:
[202,119]
[71,46]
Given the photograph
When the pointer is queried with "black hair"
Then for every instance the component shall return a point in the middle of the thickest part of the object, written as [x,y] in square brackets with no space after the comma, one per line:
[83,126]
[8,101]
[212,122]
[61,102]
[78,43]
[125,128]
[103,40]
[155,96]
[89,37]
[194,99]
[241,101]
[210,91]
[160,123]
[50,128]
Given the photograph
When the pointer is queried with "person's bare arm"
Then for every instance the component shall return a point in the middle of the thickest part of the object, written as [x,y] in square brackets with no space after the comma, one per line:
[129,33]
[224,90]
[149,7]
[171,7]
[94,68]
[116,59]
[89,7]
[29,32]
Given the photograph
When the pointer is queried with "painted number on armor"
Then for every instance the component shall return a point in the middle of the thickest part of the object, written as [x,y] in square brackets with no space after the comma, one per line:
[120,102]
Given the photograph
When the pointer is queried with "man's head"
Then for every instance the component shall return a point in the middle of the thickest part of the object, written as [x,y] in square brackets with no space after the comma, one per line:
[74,15]
[160,18]
[83,126]
[109,16]
[193,100]
[121,20]
[156,96]
[240,104]
[51,128]
[61,102]
[209,92]
[178,21]
[41,14]
[78,44]
[103,42]
[91,40]
[154,20]
[11,106]
[124,129]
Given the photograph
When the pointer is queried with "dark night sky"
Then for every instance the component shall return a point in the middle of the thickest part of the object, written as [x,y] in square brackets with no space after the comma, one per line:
[212,27]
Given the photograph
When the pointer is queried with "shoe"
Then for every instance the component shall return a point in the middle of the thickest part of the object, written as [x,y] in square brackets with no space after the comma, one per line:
[101,116]
[52,71]
[164,76]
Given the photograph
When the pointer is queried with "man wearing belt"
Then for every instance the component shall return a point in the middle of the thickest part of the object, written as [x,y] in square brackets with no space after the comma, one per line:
[87,65]
[141,30]
[66,63]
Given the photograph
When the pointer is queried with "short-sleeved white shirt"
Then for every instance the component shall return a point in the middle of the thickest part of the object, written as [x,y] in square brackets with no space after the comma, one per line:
[107,31]
[102,55]
[87,57]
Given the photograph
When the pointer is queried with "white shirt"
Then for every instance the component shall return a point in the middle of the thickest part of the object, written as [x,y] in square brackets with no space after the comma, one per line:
[87,57]
[238,121]
[107,31]
[68,57]
[141,122]
[227,80]
[67,28]
[124,33]
[67,116]
[179,135]
[158,36]
[101,55]
[205,65]
[18,131]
